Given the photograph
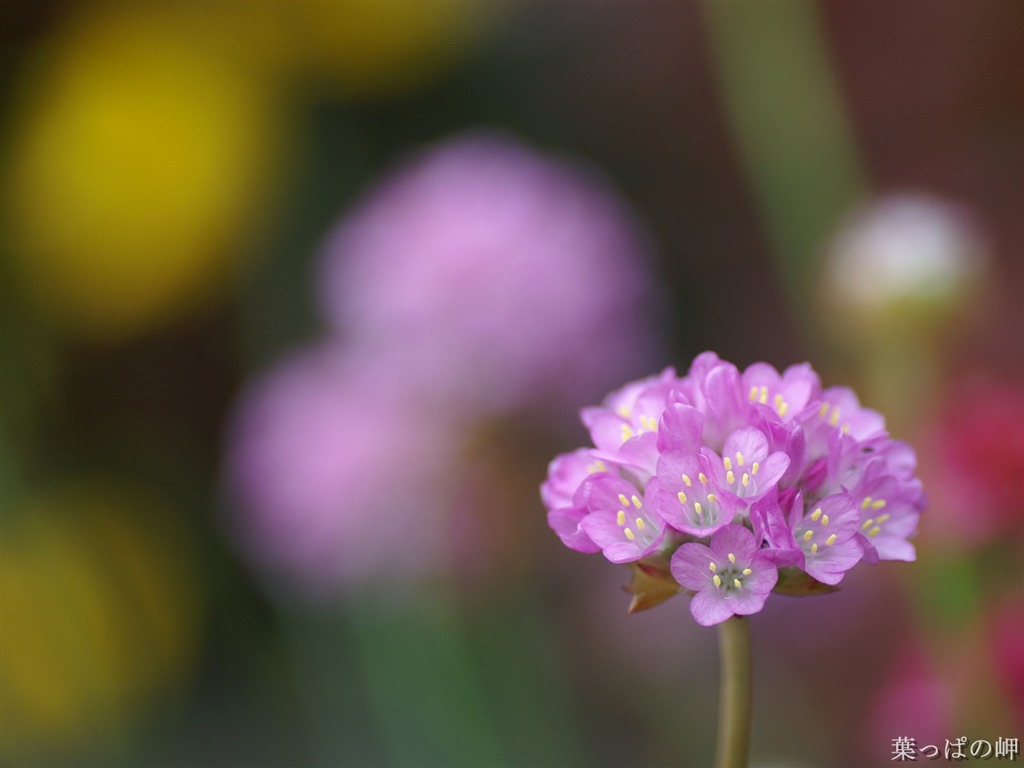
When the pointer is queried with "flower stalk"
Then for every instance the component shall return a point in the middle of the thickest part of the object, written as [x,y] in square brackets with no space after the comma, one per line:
[734,704]
[736,485]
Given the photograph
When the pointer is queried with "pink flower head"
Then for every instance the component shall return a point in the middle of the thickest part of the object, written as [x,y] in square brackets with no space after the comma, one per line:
[764,466]
[494,270]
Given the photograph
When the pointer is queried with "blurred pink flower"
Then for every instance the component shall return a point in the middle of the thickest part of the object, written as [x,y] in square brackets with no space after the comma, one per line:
[495,275]
[339,473]
[479,278]
[975,458]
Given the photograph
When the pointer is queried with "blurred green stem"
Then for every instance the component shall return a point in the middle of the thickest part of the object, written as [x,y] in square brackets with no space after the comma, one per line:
[422,683]
[734,703]
[789,122]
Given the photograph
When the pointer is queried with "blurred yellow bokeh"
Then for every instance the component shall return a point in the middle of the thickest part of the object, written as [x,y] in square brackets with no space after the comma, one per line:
[362,49]
[139,154]
[147,139]
[377,47]
[100,614]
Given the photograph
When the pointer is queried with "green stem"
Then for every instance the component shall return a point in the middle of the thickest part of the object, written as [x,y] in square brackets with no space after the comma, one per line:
[785,105]
[734,705]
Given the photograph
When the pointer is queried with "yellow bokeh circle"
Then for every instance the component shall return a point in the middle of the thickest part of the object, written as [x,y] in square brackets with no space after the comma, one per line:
[138,158]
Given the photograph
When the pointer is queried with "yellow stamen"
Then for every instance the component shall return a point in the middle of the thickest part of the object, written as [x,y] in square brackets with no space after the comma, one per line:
[637,503]
[867,524]
[624,411]
[830,540]
[824,519]
[778,402]
[881,518]
[629,534]
[834,418]
[747,571]
[640,523]
[732,558]
[739,458]
[712,498]
[823,410]
[816,514]
[682,497]
[621,518]
[712,567]
[753,393]
[746,479]
[809,535]
[878,504]
[783,408]
[754,469]
[866,503]
[627,432]
[697,508]
[814,549]
[703,478]
[623,500]
[738,583]
[874,531]
[686,481]
[764,395]
[730,477]
[727,462]
[717,579]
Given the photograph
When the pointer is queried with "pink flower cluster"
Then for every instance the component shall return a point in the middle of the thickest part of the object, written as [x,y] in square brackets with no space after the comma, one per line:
[737,477]
[478,278]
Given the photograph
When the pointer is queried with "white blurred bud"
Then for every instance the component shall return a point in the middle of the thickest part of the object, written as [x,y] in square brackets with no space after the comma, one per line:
[904,253]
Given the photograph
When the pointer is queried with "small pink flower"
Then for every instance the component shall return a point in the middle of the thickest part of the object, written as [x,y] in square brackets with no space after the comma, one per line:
[620,521]
[730,577]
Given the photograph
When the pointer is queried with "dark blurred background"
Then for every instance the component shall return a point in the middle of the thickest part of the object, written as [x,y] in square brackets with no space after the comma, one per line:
[299,299]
